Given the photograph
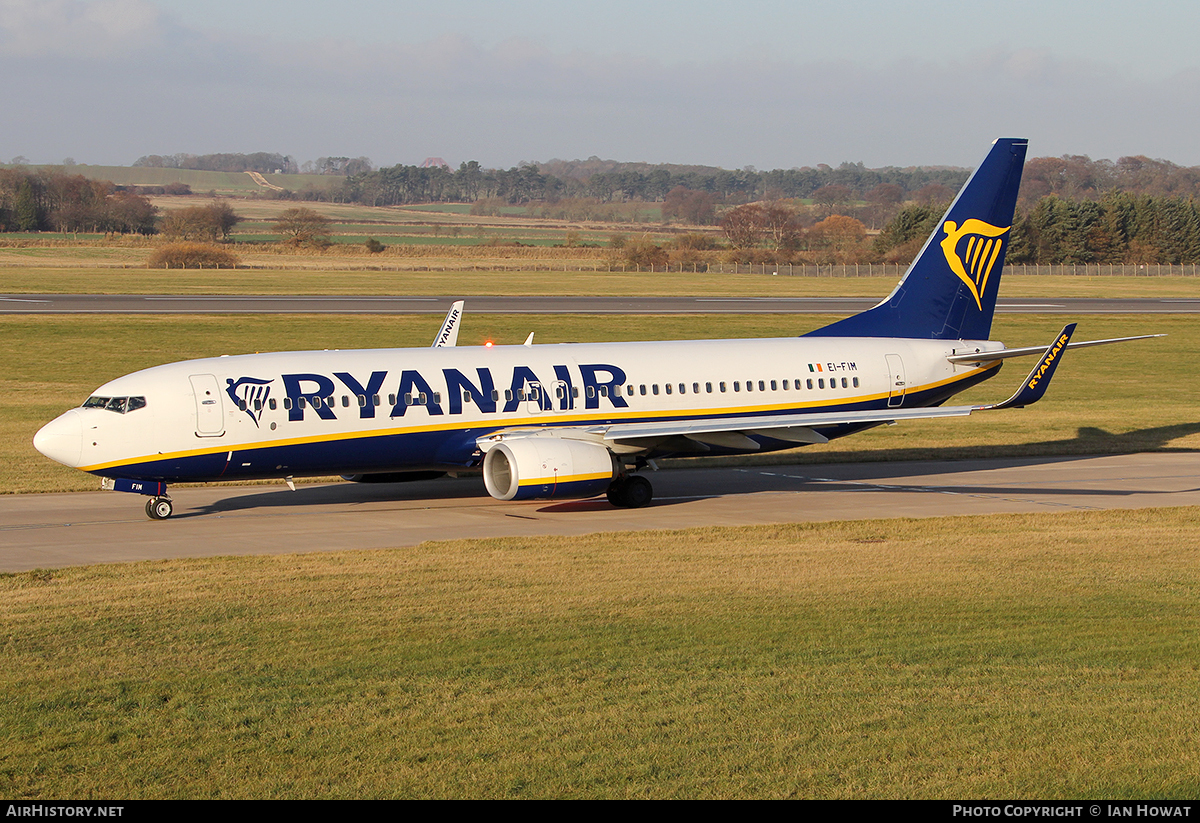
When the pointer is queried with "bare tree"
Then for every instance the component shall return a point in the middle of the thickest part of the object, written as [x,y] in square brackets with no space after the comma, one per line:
[303,225]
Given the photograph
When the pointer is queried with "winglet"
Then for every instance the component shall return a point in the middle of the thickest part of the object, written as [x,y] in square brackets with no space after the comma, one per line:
[448,336]
[1038,380]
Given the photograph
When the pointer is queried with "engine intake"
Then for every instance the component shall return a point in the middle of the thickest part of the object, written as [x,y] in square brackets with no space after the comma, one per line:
[538,467]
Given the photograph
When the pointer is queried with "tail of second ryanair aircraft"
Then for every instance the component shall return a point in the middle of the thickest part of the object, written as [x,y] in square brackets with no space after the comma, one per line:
[949,292]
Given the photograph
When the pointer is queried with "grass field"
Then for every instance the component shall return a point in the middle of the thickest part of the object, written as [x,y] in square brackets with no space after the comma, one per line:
[222,182]
[1012,656]
[1135,397]
[45,271]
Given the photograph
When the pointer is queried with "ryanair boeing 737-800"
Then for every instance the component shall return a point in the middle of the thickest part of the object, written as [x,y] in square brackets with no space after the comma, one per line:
[570,420]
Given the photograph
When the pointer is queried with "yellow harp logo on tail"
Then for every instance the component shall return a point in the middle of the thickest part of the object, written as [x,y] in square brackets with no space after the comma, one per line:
[975,262]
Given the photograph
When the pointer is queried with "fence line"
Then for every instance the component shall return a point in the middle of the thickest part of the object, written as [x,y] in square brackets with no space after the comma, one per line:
[779,269]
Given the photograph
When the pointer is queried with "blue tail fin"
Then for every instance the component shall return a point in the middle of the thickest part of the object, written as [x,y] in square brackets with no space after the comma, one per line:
[949,292]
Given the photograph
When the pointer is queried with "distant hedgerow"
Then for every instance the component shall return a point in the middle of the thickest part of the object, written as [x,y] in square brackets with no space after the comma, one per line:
[192,256]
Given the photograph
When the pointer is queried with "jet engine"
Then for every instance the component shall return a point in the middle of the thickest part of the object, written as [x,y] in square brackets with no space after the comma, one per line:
[531,467]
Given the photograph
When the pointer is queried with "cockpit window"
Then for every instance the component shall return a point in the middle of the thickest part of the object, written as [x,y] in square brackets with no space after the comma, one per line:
[120,405]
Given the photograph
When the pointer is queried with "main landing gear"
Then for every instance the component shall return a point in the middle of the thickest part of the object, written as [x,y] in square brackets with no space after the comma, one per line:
[159,508]
[630,492]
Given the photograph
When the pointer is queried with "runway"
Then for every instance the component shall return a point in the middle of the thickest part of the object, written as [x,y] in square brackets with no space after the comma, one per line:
[54,530]
[334,304]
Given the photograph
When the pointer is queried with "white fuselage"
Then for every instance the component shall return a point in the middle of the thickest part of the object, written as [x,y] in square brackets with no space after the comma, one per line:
[347,412]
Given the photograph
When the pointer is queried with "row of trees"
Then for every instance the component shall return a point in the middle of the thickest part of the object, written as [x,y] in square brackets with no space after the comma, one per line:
[398,185]
[260,161]
[1078,177]
[46,201]
[1119,228]
[1070,176]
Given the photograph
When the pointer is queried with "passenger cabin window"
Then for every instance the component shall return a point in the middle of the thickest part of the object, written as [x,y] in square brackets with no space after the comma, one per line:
[668,388]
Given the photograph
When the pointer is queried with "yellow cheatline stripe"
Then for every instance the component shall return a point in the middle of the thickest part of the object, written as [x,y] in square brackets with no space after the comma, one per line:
[545,418]
[563,480]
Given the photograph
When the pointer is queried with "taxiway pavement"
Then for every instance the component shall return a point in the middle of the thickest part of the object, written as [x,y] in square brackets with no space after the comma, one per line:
[54,530]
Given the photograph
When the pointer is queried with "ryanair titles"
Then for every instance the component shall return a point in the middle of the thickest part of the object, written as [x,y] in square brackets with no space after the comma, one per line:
[1047,362]
[586,386]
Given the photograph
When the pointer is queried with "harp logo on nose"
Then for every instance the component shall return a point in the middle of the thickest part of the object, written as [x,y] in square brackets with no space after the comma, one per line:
[249,394]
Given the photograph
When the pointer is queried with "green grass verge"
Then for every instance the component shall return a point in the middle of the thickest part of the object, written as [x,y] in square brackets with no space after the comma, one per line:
[1134,397]
[50,277]
[1010,656]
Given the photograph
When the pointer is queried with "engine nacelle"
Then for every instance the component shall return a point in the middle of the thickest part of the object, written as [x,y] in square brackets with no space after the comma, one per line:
[531,467]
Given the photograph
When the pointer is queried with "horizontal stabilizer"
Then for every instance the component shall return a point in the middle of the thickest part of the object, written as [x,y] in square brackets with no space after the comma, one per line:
[1004,354]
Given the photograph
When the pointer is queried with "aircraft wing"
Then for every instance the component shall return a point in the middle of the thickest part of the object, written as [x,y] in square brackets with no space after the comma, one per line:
[798,427]
[733,432]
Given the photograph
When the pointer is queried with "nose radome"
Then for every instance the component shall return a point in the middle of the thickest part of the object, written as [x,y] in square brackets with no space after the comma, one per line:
[62,439]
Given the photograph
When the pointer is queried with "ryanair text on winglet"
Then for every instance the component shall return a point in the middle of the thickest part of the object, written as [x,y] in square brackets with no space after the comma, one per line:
[1047,360]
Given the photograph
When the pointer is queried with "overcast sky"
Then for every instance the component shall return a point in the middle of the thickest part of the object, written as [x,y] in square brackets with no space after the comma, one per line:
[767,84]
